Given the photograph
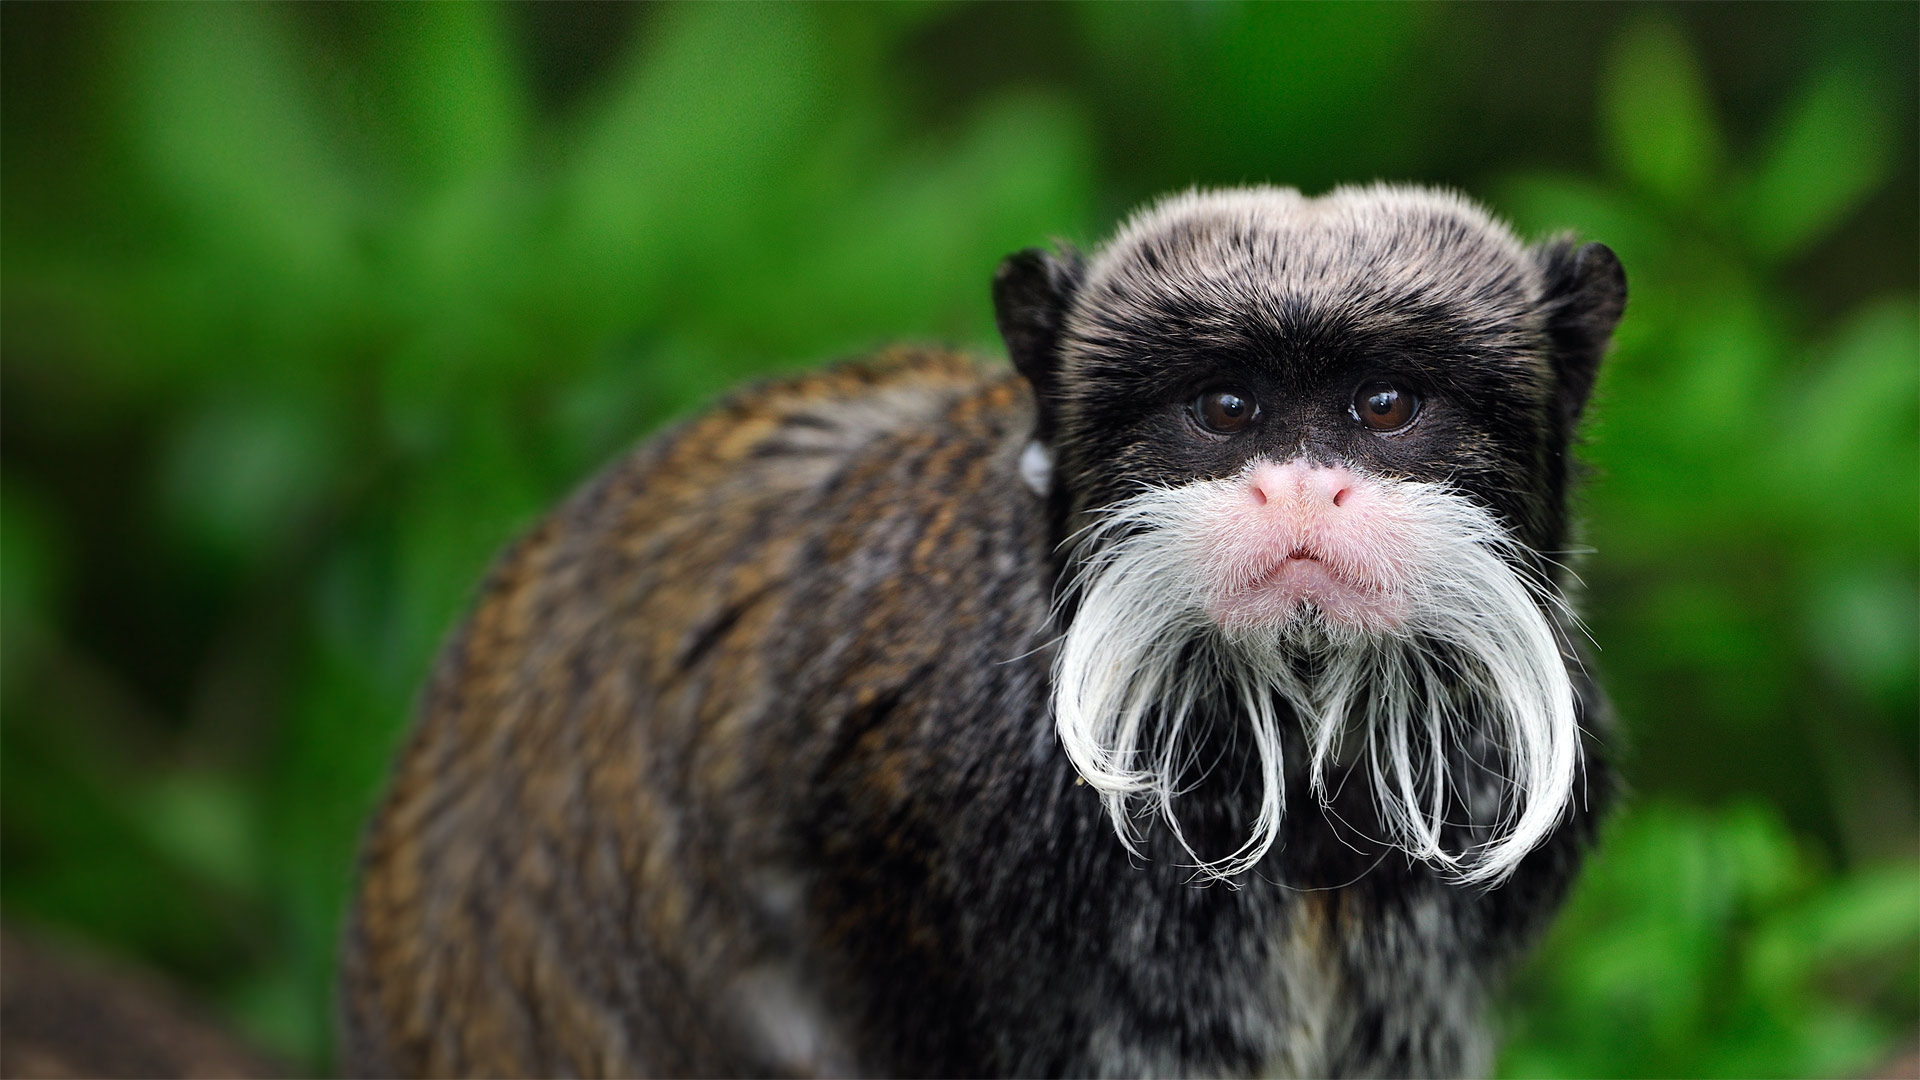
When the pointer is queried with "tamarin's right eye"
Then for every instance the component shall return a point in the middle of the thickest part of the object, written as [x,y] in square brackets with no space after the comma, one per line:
[1225,411]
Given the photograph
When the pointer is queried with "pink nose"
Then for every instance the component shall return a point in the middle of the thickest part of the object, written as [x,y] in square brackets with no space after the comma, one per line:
[1300,483]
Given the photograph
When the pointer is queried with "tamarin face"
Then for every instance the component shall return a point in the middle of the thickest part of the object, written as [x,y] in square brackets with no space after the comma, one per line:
[1279,429]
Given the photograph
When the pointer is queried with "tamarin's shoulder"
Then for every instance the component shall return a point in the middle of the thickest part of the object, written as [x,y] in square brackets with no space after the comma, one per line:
[822,414]
[719,506]
[765,440]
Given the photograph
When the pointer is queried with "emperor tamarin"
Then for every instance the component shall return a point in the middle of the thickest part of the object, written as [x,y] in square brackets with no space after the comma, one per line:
[1200,698]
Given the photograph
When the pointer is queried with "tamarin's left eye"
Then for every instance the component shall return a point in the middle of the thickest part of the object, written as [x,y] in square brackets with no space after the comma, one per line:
[1384,407]
[1224,411]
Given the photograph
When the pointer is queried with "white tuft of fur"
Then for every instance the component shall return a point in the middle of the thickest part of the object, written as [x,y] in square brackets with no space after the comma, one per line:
[1036,467]
[1476,655]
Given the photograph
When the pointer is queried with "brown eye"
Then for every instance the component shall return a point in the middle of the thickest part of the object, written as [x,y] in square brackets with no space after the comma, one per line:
[1385,407]
[1224,411]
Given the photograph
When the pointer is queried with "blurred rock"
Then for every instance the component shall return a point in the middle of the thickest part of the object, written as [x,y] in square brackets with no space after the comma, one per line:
[62,1015]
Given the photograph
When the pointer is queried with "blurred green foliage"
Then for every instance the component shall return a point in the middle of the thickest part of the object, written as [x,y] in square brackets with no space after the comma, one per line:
[308,309]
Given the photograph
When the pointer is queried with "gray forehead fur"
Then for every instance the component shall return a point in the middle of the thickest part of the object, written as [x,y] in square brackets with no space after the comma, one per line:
[1375,252]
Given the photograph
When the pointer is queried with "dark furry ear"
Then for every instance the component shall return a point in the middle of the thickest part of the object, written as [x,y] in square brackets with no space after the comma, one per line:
[1031,291]
[1586,292]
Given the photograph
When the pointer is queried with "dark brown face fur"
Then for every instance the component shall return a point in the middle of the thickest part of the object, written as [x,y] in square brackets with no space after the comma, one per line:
[1297,304]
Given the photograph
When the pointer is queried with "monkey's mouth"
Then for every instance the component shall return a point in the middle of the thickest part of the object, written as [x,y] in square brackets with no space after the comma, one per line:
[1301,565]
[1297,586]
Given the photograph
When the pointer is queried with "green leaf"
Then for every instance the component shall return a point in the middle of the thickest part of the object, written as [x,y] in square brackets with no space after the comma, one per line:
[1864,918]
[1831,149]
[1659,124]
[460,104]
[205,822]
[1850,429]
[912,254]
[699,136]
[258,258]
[224,127]
[1656,968]
[238,475]
[31,576]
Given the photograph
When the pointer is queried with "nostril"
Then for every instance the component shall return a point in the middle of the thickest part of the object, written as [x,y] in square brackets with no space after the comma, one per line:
[1259,496]
[1340,497]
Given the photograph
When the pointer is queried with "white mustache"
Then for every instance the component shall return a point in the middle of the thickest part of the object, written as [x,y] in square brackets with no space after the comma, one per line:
[1477,660]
